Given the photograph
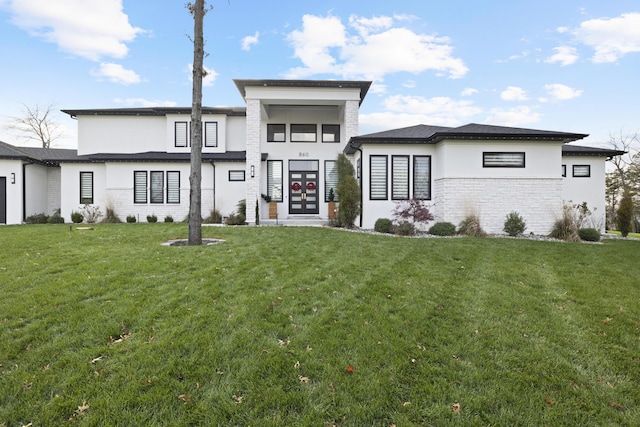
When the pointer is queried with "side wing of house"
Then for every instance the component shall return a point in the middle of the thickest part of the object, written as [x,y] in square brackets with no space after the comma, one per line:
[11,206]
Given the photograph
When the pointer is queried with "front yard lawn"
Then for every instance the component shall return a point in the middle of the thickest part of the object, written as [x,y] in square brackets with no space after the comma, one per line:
[314,326]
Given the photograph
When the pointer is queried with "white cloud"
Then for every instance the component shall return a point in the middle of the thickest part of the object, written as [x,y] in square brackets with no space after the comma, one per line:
[372,49]
[516,116]
[116,73]
[565,55]
[141,102]
[560,92]
[469,91]
[249,41]
[611,38]
[207,80]
[401,110]
[514,93]
[89,29]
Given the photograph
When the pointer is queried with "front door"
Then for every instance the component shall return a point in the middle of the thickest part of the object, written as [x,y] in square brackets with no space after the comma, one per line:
[3,199]
[303,192]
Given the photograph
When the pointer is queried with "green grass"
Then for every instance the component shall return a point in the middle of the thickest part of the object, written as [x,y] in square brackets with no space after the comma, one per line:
[617,233]
[108,327]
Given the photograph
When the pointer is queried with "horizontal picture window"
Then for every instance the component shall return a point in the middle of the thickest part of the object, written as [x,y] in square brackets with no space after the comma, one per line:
[502,160]
[304,133]
[581,171]
[236,175]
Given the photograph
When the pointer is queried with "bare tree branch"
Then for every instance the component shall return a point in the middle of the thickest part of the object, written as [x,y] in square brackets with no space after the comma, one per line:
[37,124]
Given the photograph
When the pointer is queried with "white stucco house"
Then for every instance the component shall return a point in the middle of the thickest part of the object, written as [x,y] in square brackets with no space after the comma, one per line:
[284,143]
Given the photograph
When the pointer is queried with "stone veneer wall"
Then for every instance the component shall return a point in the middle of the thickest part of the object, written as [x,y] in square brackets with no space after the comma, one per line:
[538,201]
[351,110]
[253,157]
[122,200]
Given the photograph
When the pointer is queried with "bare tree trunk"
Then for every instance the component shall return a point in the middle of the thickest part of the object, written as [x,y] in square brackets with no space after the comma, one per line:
[195,178]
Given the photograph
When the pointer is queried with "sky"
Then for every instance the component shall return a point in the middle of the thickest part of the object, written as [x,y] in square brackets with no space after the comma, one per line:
[568,65]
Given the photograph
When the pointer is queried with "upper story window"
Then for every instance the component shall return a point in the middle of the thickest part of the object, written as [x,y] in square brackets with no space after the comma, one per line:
[581,171]
[330,133]
[303,133]
[503,160]
[276,132]
[181,134]
[210,134]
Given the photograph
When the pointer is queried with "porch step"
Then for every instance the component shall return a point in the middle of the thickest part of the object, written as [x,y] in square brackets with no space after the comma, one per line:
[297,221]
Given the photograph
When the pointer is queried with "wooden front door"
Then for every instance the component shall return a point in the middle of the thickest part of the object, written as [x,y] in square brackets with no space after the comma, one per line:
[303,193]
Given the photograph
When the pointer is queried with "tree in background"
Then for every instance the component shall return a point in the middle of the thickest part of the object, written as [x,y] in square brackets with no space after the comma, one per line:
[348,192]
[625,177]
[37,124]
[625,214]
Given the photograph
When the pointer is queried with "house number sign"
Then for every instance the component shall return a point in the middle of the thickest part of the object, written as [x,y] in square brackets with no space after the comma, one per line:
[303,154]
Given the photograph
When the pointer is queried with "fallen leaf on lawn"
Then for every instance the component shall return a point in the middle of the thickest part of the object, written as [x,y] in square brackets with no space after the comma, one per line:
[26,425]
[237,399]
[46,367]
[607,320]
[81,409]
[309,348]
[456,407]
[26,385]
[97,359]
[284,342]
[184,397]
[406,403]
[350,369]
[616,405]
[297,365]
[303,379]
[549,401]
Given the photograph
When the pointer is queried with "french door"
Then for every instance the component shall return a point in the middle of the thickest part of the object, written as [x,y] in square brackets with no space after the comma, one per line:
[303,192]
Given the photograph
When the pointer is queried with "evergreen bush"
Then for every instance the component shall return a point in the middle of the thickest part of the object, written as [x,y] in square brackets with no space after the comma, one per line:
[383,225]
[625,214]
[77,217]
[442,229]
[514,225]
[40,218]
[405,228]
[168,218]
[589,234]
[56,218]
[348,192]
[131,219]
[152,218]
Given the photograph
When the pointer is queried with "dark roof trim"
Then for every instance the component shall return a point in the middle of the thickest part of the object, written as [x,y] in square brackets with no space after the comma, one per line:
[364,86]
[161,156]
[43,156]
[423,134]
[154,111]
[577,150]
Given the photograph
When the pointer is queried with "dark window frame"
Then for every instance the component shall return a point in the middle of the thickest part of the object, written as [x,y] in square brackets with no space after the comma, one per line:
[186,134]
[510,153]
[335,133]
[84,199]
[237,178]
[415,158]
[135,186]
[292,132]
[328,166]
[564,171]
[206,134]
[156,195]
[270,185]
[573,171]
[372,176]
[271,132]
[170,190]
[394,196]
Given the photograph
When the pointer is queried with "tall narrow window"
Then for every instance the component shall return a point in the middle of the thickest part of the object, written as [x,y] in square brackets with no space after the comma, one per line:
[422,177]
[399,177]
[330,179]
[378,178]
[303,133]
[210,134]
[181,134]
[276,132]
[330,133]
[173,186]
[140,187]
[86,188]
[156,191]
[274,180]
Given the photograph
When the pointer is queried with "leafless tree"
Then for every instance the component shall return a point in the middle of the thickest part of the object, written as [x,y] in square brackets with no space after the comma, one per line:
[36,123]
[197,10]
[624,142]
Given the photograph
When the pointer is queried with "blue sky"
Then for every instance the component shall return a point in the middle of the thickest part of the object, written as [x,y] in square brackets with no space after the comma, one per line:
[565,65]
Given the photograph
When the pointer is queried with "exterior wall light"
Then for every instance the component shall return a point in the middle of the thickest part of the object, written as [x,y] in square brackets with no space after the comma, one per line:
[13,178]
[253,171]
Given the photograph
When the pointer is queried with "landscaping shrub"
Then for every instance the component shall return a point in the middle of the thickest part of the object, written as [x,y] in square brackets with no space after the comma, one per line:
[348,192]
[470,226]
[625,214]
[110,216]
[215,217]
[414,209]
[405,228]
[168,218]
[442,229]
[40,218]
[566,227]
[589,234]
[91,213]
[239,218]
[77,217]
[514,225]
[56,218]
[383,225]
[152,218]
[131,219]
